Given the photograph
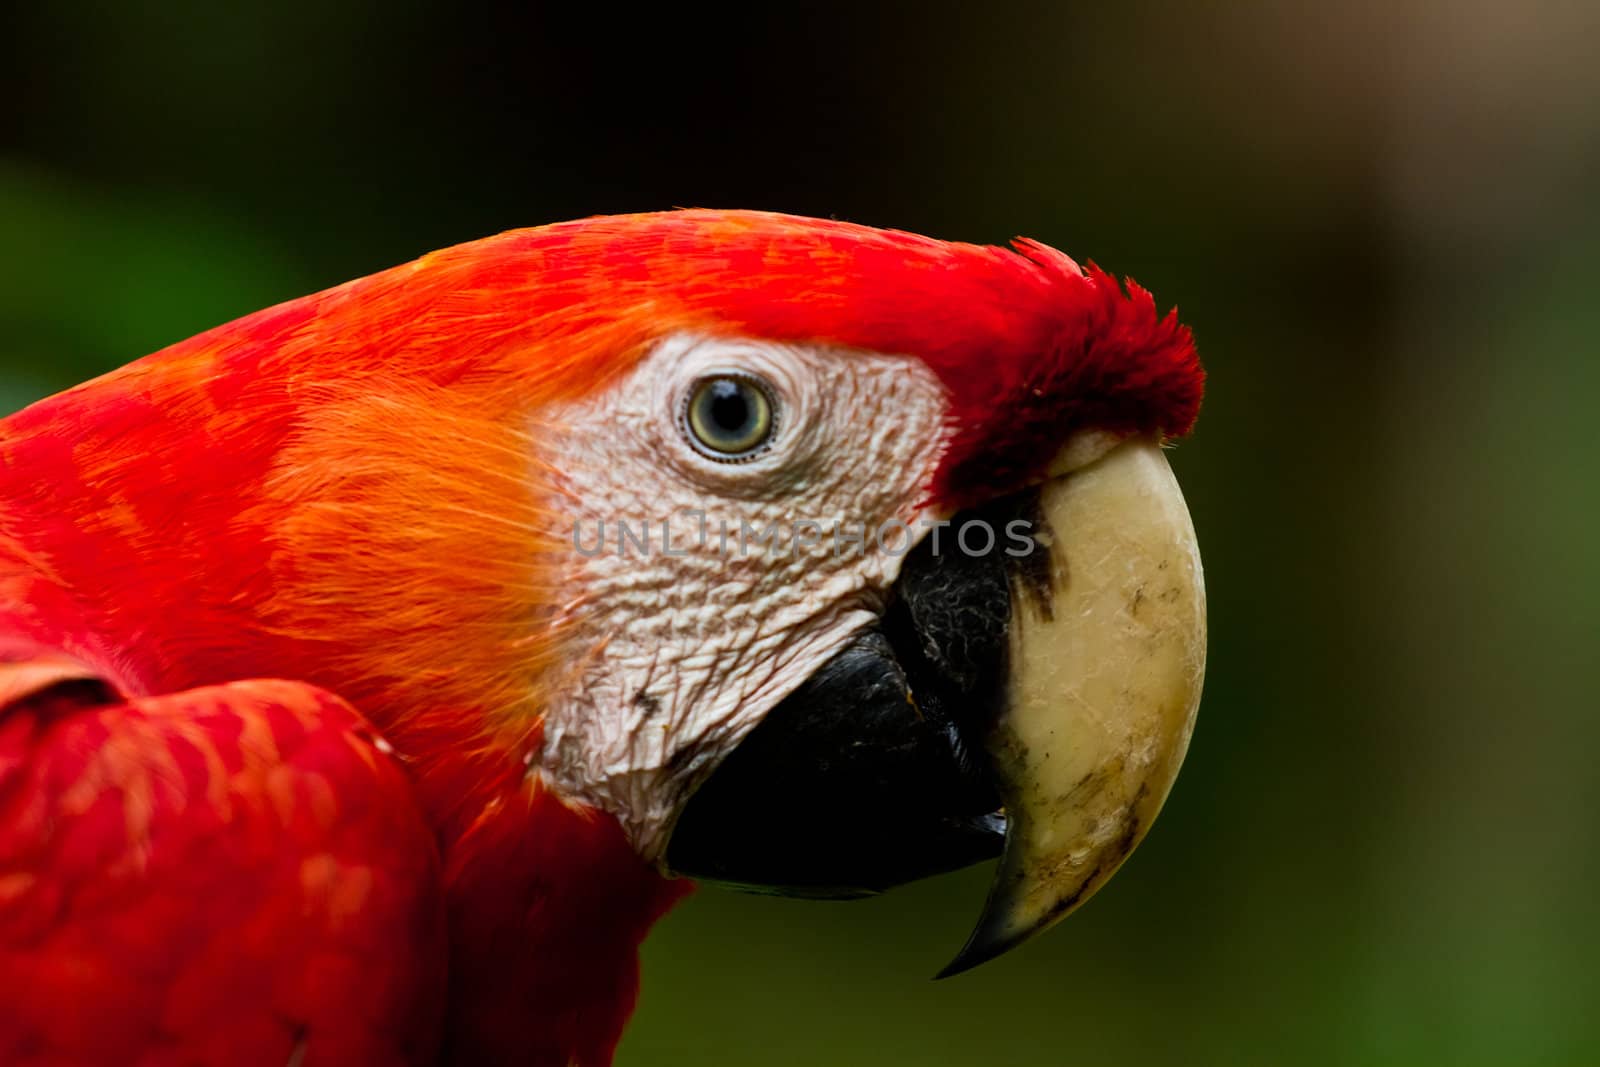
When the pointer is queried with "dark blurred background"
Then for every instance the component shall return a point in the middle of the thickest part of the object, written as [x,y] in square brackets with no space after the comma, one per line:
[1383,220]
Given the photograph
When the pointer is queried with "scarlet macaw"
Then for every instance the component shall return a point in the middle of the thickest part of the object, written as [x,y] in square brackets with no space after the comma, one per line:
[375,668]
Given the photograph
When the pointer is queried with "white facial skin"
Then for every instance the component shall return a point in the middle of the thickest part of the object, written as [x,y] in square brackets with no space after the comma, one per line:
[682,651]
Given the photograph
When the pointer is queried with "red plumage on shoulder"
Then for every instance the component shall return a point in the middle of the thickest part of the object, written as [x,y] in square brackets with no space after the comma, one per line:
[209,877]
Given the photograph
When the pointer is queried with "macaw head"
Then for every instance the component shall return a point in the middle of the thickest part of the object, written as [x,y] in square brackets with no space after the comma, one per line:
[870,564]
[787,553]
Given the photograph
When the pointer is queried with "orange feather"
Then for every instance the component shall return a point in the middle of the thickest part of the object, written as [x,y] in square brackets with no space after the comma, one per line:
[346,490]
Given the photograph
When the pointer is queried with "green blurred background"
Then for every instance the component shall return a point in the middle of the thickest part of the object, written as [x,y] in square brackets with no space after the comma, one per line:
[1383,220]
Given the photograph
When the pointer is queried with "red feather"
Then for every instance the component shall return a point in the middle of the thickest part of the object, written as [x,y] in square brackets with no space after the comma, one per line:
[345,490]
[216,876]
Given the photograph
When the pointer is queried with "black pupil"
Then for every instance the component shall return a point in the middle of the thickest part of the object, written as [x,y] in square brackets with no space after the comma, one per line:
[730,408]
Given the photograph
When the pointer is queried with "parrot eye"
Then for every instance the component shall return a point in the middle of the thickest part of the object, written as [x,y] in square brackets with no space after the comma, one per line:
[729,416]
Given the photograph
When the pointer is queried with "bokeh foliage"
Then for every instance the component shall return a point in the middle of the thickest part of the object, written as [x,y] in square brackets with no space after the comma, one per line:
[1382,220]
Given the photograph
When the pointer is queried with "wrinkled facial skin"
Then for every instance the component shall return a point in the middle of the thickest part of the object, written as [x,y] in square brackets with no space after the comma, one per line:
[684,643]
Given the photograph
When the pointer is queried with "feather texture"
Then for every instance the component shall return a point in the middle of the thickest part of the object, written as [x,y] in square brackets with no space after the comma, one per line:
[346,490]
[213,876]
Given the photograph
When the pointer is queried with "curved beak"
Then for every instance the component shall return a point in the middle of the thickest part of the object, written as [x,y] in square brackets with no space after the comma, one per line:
[1107,662]
[1035,703]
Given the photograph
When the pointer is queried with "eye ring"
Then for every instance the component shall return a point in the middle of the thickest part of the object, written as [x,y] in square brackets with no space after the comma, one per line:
[730,416]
